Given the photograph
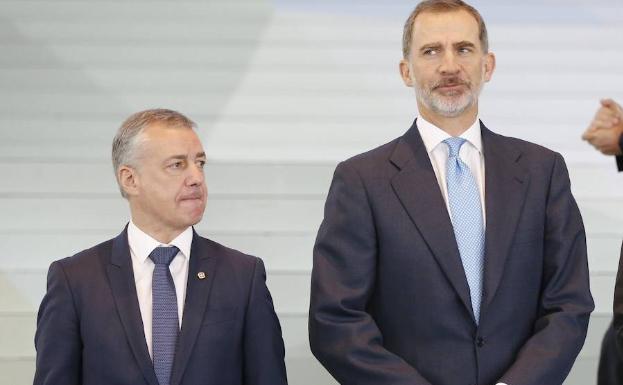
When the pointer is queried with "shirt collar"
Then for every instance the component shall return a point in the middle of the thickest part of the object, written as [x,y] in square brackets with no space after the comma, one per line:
[143,244]
[433,135]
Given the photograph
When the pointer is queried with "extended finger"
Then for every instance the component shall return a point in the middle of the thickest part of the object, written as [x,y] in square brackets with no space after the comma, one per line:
[606,113]
[610,104]
[601,124]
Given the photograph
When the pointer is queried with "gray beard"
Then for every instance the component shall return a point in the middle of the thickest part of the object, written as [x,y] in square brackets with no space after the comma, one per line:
[449,107]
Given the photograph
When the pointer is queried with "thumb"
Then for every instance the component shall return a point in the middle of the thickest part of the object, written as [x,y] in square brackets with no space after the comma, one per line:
[588,134]
[608,103]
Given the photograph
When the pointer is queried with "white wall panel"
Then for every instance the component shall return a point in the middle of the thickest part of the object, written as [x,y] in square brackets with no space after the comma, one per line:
[17,371]
[223,179]
[142,10]
[111,213]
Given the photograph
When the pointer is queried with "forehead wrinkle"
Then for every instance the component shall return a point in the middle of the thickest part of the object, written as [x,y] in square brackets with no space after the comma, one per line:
[429,25]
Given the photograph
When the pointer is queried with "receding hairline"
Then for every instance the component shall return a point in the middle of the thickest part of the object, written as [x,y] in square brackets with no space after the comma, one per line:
[439,12]
[440,7]
[174,125]
[142,136]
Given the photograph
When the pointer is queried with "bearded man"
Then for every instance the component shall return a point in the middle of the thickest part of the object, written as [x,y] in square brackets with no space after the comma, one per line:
[450,255]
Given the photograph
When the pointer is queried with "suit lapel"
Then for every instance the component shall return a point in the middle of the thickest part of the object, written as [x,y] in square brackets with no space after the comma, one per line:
[506,183]
[197,292]
[123,288]
[418,190]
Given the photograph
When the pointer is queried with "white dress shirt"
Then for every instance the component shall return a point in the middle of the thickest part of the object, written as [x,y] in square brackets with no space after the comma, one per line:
[470,153]
[141,245]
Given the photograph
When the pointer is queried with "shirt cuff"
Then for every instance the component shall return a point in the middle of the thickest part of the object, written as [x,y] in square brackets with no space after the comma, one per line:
[501,383]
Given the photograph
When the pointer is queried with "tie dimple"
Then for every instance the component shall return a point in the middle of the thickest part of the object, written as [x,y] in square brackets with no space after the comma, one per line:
[454,146]
[163,255]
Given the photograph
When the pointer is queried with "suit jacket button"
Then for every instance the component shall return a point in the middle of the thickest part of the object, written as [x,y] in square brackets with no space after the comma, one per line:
[480,342]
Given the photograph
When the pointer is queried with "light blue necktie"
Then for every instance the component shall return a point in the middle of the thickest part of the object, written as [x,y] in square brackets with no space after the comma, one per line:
[165,326]
[466,214]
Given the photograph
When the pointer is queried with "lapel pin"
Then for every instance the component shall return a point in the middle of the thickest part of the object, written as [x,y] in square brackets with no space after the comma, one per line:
[201,275]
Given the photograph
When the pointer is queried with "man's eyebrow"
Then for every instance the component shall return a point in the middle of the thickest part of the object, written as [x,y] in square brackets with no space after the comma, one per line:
[184,157]
[464,43]
[180,157]
[430,45]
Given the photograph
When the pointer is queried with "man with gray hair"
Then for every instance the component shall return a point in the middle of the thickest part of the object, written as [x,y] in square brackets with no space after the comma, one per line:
[159,304]
[451,255]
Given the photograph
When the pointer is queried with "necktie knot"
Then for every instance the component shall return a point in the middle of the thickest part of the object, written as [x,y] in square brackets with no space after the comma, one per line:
[454,146]
[163,255]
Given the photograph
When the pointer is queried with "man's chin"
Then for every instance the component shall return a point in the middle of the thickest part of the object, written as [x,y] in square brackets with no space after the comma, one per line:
[449,111]
[450,107]
[193,216]
[191,221]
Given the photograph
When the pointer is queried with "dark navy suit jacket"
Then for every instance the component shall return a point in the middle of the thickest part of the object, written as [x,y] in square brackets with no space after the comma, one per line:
[619,158]
[390,302]
[90,331]
[617,333]
[610,361]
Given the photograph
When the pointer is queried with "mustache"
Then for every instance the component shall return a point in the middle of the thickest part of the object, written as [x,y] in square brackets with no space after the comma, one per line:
[451,81]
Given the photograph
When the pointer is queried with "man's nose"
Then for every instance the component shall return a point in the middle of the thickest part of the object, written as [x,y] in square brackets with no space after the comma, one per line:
[195,175]
[449,63]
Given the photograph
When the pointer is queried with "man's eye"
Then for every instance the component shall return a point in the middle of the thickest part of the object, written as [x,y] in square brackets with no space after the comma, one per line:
[465,50]
[176,165]
[430,52]
[201,163]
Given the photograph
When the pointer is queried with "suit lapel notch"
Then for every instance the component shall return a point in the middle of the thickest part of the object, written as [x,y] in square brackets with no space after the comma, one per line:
[202,266]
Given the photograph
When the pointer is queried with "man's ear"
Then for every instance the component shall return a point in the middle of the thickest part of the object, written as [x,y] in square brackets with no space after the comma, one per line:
[128,180]
[489,65]
[405,73]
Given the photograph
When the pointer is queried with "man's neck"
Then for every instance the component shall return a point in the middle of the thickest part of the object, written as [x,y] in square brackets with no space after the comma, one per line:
[454,126]
[161,234]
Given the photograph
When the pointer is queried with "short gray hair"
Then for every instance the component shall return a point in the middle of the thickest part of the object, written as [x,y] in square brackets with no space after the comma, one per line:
[129,135]
[439,6]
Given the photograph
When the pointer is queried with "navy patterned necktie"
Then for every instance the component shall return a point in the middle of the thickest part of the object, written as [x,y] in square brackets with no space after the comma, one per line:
[467,221]
[165,326]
